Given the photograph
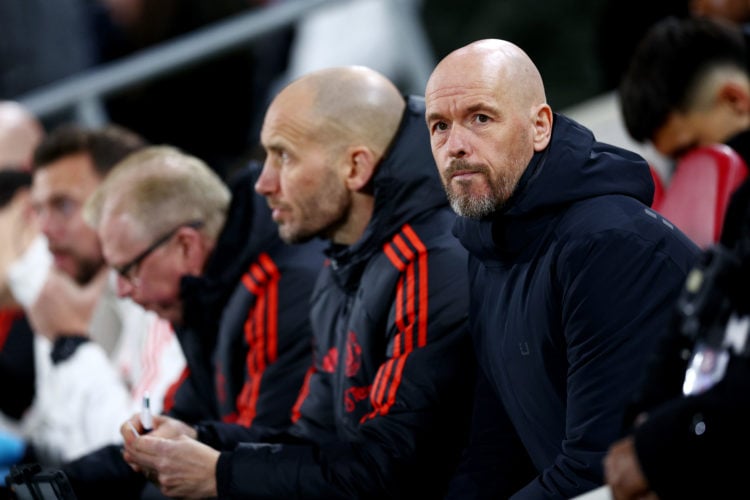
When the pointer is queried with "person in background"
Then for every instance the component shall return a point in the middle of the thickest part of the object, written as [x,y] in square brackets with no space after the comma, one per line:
[570,273]
[213,265]
[384,409]
[20,132]
[96,355]
[688,85]
[689,411]
[16,339]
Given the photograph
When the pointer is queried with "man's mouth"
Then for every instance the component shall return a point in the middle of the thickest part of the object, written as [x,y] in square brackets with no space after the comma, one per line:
[463,174]
[277,211]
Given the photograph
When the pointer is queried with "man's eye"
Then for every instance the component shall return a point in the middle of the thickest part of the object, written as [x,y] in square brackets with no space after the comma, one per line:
[483,118]
[282,157]
[440,126]
[65,206]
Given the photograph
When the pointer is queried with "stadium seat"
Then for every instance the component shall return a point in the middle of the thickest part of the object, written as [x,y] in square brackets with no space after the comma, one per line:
[698,193]
[658,188]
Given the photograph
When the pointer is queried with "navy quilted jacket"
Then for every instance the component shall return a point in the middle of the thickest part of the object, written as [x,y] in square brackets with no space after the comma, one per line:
[384,410]
[571,285]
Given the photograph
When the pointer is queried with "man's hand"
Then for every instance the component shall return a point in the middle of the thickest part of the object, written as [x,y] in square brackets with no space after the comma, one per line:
[164,427]
[181,467]
[63,306]
[623,472]
[19,228]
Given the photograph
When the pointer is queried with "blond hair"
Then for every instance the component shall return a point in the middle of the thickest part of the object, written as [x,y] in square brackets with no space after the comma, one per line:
[161,187]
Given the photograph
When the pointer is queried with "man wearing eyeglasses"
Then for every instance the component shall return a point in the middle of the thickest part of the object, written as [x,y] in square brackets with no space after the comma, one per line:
[96,354]
[237,295]
[384,410]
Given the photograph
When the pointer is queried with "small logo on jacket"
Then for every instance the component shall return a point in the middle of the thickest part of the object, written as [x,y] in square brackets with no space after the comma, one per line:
[330,360]
[354,395]
[524,348]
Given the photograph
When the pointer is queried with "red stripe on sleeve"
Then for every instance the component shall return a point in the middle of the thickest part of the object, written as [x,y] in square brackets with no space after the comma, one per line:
[381,380]
[303,392]
[249,284]
[395,384]
[399,318]
[410,307]
[261,335]
[412,296]
[423,282]
[401,245]
[393,257]
[273,306]
[170,394]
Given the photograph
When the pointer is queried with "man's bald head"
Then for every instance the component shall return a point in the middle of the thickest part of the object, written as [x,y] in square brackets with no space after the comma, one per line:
[348,104]
[325,135]
[492,63]
[20,132]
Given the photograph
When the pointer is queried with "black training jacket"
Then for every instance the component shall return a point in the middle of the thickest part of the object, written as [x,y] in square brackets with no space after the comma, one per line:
[384,410]
[246,339]
[246,334]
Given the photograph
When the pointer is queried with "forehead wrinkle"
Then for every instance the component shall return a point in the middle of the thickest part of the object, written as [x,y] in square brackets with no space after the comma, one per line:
[497,67]
[288,121]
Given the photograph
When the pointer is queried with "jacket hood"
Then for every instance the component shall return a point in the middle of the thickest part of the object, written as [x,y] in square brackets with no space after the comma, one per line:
[575,167]
[405,185]
[248,230]
[572,168]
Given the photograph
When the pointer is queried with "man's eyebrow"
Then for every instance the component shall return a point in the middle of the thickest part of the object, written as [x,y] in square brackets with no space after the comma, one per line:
[481,107]
[60,198]
[434,115]
[474,108]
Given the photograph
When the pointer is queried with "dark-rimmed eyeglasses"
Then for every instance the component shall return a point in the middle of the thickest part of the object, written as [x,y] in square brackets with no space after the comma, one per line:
[129,271]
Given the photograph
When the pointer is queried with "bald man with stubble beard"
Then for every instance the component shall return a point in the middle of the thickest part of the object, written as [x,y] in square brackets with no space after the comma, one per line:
[572,276]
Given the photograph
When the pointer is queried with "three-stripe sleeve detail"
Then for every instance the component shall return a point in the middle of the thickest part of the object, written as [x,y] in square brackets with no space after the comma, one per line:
[261,333]
[408,254]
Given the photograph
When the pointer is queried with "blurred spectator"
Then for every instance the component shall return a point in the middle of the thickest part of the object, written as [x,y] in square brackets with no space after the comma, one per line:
[82,395]
[237,296]
[16,341]
[688,85]
[20,132]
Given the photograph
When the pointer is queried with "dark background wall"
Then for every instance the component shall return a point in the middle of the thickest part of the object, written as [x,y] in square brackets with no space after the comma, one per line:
[580,46]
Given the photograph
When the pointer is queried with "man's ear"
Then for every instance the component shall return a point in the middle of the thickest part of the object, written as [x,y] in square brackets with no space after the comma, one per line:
[736,95]
[542,126]
[362,162]
[193,249]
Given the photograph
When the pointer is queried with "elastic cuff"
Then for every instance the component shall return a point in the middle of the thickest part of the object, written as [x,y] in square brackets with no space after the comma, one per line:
[65,346]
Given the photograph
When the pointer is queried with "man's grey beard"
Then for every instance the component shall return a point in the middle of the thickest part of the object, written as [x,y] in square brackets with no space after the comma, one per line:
[474,208]
[477,207]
